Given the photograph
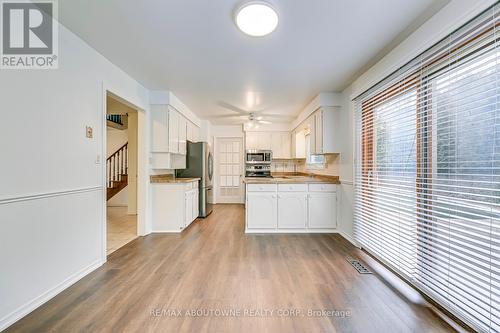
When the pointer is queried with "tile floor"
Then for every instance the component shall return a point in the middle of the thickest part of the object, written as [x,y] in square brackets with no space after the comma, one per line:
[122,228]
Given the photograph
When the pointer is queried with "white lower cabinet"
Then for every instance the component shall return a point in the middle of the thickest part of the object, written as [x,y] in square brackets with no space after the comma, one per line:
[174,206]
[196,204]
[292,210]
[322,212]
[191,206]
[262,210]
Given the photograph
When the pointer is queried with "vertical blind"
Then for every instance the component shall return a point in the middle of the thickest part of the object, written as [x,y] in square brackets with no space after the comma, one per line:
[427,191]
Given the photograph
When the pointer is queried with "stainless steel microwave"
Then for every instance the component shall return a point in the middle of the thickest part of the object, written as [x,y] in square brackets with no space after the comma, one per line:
[255,156]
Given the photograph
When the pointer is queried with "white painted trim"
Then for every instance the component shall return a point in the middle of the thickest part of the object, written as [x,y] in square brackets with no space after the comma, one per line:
[142,165]
[349,238]
[37,196]
[346,182]
[25,309]
[101,114]
[292,231]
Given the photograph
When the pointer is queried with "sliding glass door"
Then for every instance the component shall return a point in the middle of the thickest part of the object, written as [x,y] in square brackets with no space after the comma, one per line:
[427,194]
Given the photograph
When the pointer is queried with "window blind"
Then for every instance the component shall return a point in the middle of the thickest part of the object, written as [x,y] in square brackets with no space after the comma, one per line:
[427,185]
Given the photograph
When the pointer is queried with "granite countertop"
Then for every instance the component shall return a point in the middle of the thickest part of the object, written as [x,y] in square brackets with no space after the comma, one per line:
[171,179]
[294,178]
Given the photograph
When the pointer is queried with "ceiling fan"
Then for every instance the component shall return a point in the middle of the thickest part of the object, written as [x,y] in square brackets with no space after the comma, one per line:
[255,117]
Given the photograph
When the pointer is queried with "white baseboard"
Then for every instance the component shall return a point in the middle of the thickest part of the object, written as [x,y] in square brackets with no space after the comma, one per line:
[349,238]
[291,231]
[27,308]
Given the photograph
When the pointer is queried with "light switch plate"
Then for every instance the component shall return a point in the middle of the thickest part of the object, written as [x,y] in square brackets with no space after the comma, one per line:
[89,132]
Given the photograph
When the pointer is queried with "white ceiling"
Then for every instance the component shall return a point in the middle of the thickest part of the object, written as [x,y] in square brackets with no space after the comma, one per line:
[193,48]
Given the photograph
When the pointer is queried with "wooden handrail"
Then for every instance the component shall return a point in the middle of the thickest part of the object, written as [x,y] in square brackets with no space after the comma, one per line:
[117,165]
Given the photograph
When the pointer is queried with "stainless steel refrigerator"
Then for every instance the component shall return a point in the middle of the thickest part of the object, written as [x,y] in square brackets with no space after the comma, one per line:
[200,164]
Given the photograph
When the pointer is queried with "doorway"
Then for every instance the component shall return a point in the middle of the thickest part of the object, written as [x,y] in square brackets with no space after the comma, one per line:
[229,170]
[121,173]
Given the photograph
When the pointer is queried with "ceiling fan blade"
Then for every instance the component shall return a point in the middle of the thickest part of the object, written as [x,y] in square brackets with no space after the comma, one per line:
[232,108]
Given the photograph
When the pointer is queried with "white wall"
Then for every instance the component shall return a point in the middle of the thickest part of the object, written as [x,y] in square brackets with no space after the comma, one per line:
[451,17]
[345,163]
[51,230]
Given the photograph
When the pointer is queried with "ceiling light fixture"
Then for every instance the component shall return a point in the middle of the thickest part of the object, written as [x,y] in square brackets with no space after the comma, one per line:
[256,18]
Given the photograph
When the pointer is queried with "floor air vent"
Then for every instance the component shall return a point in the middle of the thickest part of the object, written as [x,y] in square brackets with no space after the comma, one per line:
[359,266]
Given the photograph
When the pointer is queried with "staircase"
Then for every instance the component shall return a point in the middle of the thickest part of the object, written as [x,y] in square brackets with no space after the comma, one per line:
[117,121]
[117,171]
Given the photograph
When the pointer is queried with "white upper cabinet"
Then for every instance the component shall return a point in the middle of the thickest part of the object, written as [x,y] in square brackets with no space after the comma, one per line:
[258,140]
[173,131]
[170,133]
[300,144]
[182,135]
[193,132]
[278,142]
[159,128]
[325,134]
[280,145]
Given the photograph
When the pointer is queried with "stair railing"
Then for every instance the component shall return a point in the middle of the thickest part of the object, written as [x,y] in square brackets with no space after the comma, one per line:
[116,118]
[117,165]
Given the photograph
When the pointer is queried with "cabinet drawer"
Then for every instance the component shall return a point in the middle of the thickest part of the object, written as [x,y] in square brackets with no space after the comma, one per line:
[261,187]
[322,187]
[292,187]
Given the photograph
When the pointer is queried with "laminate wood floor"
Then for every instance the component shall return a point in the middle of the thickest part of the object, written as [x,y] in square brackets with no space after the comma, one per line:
[213,266]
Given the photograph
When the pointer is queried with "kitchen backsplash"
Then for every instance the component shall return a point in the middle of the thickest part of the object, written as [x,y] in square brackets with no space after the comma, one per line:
[284,166]
[331,169]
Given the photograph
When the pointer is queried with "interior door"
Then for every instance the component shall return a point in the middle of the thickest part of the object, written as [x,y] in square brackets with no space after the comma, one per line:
[229,170]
